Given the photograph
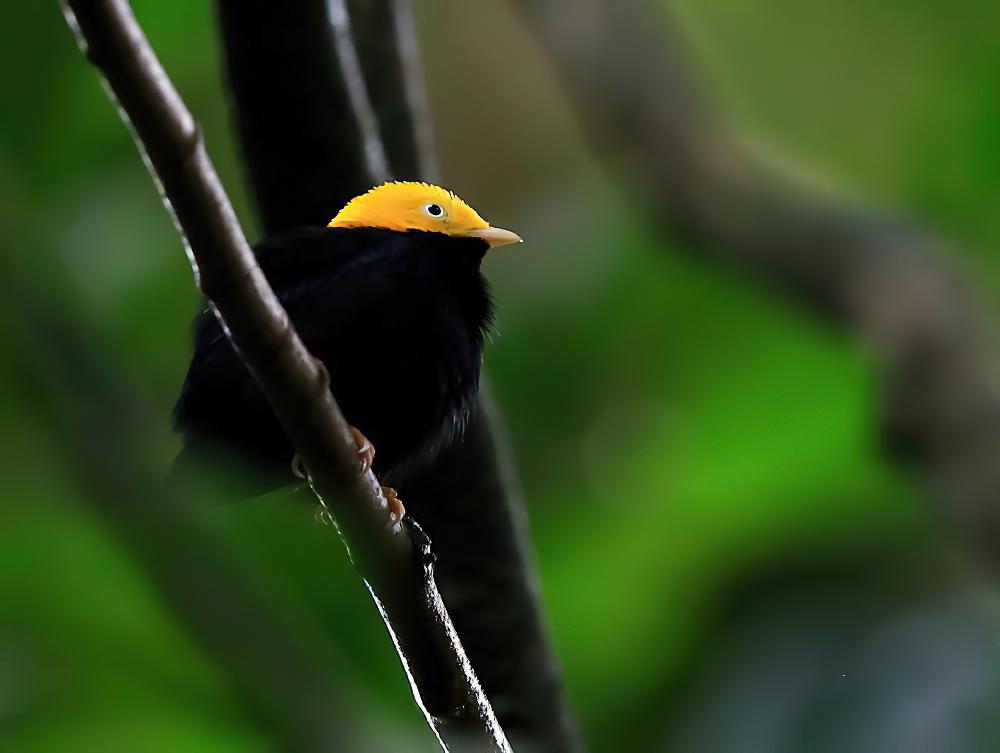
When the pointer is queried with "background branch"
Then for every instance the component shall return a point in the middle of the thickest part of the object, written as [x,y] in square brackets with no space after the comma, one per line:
[299,177]
[864,269]
[295,383]
[469,501]
[357,92]
[291,679]
[386,40]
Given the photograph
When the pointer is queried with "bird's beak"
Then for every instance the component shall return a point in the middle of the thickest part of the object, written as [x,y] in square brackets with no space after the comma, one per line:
[494,236]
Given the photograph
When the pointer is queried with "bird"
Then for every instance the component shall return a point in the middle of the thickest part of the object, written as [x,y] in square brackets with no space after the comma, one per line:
[390,297]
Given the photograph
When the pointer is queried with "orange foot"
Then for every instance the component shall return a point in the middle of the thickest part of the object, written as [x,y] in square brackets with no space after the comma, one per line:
[366,450]
[396,509]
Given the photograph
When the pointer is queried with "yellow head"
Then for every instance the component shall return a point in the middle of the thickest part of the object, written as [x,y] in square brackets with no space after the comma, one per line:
[419,206]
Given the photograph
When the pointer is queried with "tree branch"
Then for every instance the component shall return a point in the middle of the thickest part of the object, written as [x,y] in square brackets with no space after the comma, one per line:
[471,504]
[296,384]
[468,501]
[864,269]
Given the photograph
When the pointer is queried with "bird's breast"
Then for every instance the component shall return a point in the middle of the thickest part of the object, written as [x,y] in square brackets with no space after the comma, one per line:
[405,365]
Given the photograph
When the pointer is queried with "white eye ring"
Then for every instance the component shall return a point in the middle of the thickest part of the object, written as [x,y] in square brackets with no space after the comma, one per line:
[435,211]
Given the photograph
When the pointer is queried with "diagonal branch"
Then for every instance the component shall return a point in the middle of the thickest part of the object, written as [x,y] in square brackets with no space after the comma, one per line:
[469,501]
[399,570]
[864,269]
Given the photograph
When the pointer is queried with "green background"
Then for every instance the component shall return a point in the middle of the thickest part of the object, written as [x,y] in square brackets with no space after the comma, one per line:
[727,559]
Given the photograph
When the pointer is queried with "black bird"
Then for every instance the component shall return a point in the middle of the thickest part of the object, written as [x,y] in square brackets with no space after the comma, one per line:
[390,297]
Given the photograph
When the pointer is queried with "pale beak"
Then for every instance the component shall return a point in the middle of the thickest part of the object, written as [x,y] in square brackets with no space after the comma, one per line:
[494,236]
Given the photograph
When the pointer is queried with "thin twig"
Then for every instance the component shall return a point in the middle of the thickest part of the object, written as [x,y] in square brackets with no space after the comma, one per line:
[295,383]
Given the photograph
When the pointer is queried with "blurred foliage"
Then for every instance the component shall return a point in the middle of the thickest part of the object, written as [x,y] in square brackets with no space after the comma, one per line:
[728,562]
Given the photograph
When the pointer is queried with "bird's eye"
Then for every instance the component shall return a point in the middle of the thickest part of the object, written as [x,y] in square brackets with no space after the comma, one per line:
[434,210]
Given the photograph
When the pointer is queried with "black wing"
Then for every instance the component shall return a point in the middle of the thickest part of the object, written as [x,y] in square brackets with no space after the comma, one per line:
[219,400]
[354,296]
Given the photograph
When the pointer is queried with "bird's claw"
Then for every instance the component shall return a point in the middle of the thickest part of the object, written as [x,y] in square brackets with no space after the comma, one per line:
[366,450]
[396,509]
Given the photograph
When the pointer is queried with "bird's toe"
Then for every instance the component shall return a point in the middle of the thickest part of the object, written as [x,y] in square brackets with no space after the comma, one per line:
[396,509]
[366,450]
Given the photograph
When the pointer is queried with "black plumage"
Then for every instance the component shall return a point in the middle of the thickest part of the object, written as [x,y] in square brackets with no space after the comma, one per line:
[399,319]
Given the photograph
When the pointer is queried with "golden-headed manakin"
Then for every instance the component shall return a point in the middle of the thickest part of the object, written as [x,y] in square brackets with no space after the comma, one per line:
[389,296]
